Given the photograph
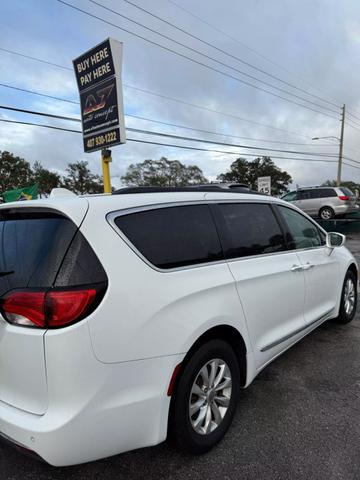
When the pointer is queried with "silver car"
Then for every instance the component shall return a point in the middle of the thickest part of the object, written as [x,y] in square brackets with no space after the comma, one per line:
[323,202]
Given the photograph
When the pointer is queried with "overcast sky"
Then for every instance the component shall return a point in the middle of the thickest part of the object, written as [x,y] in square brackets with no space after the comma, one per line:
[312,44]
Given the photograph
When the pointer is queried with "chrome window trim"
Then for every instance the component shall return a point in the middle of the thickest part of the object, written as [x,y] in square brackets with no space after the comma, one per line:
[111,216]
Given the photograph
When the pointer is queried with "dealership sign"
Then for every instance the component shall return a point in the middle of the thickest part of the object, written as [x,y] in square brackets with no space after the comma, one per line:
[98,75]
[264,185]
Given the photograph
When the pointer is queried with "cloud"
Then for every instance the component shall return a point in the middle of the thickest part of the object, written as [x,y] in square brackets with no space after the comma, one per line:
[314,39]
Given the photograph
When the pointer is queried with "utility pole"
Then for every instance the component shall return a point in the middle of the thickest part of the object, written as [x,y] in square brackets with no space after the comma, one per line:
[338,180]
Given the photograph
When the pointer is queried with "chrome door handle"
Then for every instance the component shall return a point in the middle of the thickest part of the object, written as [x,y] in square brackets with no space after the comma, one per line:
[308,265]
[296,268]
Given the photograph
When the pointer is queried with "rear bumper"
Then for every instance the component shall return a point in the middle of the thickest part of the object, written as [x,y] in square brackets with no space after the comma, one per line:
[343,209]
[94,411]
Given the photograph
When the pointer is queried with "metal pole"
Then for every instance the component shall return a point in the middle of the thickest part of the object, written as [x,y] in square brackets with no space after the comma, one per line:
[105,160]
[338,180]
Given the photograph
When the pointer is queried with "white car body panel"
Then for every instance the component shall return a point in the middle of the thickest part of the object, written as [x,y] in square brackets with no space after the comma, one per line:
[269,315]
[23,381]
[107,376]
[321,281]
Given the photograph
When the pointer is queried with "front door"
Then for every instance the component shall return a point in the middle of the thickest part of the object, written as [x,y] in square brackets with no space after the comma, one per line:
[321,270]
[269,279]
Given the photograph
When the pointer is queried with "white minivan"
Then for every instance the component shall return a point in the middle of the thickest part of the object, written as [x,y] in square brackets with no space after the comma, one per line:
[125,319]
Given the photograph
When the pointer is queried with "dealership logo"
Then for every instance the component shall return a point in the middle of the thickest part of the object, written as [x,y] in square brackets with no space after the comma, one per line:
[97,101]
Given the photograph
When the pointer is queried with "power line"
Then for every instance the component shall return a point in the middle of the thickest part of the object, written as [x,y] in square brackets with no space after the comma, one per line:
[228,135]
[209,57]
[149,92]
[211,142]
[53,127]
[33,58]
[174,99]
[5,85]
[353,126]
[236,40]
[352,149]
[186,147]
[168,135]
[351,159]
[174,124]
[349,165]
[209,44]
[209,67]
[42,114]
[218,112]
[352,115]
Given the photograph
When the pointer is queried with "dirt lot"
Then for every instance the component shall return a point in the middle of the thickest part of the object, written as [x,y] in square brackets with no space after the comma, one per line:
[298,420]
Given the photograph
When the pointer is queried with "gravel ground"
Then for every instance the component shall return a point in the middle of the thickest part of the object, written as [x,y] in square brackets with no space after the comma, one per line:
[298,420]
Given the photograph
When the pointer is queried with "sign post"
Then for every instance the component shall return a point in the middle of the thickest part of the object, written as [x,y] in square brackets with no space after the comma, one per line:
[264,185]
[98,76]
[105,160]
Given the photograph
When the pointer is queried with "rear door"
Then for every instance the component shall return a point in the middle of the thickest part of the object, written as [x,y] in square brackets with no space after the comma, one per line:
[309,201]
[32,246]
[269,279]
[320,269]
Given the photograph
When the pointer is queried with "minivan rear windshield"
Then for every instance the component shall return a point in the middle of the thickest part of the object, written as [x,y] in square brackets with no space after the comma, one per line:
[32,247]
[347,191]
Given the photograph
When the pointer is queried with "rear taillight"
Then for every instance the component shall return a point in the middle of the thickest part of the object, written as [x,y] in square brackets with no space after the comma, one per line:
[343,197]
[25,308]
[49,309]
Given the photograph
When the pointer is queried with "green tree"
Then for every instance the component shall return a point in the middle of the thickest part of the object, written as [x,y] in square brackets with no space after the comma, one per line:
[15,172]
[46,179]
[245,171]
[347,183]
[80,180]
[163,173]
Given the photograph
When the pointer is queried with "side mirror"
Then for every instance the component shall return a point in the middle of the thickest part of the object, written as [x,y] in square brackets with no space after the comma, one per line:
[334,239]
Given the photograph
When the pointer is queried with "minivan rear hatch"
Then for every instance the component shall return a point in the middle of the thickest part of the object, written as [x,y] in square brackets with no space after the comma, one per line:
[33,244]
[348,196]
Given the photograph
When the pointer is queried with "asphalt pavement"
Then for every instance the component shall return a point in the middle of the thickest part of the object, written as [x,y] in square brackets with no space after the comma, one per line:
[300,419]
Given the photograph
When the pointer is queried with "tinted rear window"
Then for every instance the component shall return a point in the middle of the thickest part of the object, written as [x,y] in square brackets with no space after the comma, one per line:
[308,194]
[173,237]
[347,191]
[327,192]
[249,229]
[32,247]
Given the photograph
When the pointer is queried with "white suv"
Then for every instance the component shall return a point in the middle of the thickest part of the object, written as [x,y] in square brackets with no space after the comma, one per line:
[126,317]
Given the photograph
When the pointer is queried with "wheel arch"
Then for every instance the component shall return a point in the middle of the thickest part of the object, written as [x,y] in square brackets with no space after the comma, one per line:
[353,268]
[223,332]
[230,335]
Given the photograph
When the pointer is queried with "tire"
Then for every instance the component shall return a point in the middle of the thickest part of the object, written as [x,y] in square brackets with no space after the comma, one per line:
[326,213]
[348,302]
[206,427]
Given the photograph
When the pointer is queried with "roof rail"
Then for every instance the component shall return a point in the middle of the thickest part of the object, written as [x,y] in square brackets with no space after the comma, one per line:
[192,188]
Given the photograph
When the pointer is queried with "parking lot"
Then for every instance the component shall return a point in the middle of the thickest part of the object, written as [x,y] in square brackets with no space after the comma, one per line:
[299,419]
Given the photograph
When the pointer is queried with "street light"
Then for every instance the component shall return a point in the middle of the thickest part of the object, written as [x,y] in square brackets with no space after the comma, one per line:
[341,142]
[331,136]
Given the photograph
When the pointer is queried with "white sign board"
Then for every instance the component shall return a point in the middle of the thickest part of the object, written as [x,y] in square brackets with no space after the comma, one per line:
[264,185]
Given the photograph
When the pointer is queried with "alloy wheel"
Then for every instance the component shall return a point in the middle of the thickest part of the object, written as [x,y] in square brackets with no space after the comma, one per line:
[349,296]
[210,396]
[326,214]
